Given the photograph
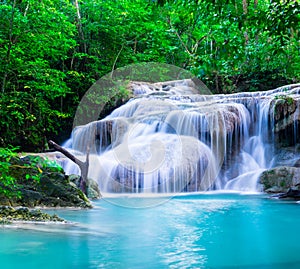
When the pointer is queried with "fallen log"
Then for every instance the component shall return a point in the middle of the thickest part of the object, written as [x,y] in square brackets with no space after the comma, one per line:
[84,166]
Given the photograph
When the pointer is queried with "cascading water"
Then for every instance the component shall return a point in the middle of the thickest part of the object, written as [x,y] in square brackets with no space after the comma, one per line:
[253,158]
[178,141]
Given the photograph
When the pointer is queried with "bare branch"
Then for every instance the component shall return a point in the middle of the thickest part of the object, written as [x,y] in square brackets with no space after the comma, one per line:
[84,166]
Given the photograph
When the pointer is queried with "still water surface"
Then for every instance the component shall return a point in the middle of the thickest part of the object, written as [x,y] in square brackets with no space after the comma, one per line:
[190,231]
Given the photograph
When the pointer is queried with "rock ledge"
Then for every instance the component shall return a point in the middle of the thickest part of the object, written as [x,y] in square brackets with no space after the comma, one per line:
[10,214]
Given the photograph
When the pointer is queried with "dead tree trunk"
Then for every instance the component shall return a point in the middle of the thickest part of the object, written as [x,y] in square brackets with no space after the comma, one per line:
[84,166]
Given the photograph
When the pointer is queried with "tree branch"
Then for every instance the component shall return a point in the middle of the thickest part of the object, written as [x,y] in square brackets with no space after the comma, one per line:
[115,61]
[179,37]
[84,166]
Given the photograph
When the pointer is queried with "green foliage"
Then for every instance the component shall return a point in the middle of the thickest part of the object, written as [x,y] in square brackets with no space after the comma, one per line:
[52,51]
[35,38]
[14,170]
[23,116]
[7,182]
[288,99]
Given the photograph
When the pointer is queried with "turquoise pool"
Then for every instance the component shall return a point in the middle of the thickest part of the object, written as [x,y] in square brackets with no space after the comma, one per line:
[191,231]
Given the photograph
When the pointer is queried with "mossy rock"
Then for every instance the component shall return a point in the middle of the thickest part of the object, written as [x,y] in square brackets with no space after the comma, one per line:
[9,214]
[280,179]
[53,190]
[39,182]
[92,187]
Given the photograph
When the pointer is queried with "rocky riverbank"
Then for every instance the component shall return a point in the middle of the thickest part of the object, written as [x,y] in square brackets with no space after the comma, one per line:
[10,214]
[50,188]
[46,185]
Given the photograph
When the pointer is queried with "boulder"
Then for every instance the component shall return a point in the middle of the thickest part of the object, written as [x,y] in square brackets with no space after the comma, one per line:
[293,193]
[280,179]
[92,189]
[286,112]
[171,164]
[46,187]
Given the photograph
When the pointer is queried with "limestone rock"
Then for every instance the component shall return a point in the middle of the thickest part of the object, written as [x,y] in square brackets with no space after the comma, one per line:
[286,113]
[92,188]
[292,193]
[171,169]
[280,179]
[287,156]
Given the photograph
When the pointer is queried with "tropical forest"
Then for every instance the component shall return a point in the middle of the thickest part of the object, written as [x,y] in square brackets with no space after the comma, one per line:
[149,133]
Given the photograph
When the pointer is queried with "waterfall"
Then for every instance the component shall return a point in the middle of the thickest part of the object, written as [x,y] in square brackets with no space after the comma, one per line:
[175,140]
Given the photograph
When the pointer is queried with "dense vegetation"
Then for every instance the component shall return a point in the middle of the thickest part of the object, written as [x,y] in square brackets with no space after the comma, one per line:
[51,52]
[15,170]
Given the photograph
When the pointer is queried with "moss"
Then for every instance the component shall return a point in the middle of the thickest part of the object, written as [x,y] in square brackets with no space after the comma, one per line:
[9,214]
[282,184]
[279,177]
[285,98]
[4,221]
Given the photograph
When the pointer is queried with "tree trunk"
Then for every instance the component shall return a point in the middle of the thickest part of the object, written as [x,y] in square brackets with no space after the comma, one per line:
[245,11]
[245,7]
[84,166]
[8,53]
[79,26]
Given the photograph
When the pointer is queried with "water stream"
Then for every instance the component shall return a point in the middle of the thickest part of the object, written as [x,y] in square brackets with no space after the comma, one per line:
[180,141]
[173,170]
